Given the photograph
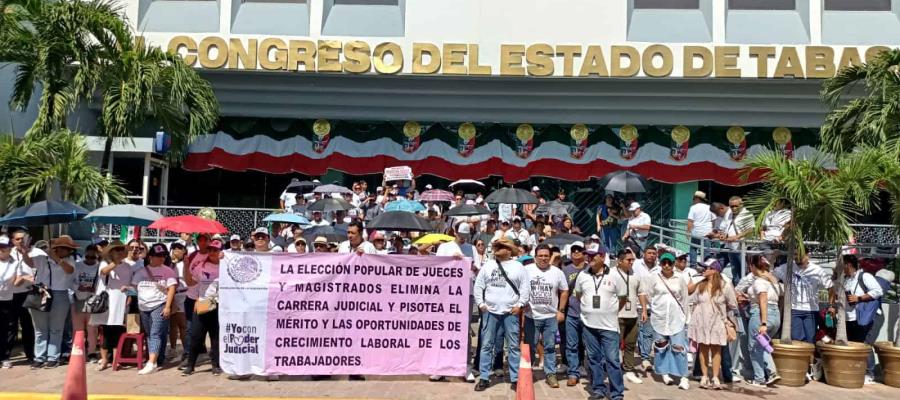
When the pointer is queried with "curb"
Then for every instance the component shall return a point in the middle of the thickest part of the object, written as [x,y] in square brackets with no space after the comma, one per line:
[52,396]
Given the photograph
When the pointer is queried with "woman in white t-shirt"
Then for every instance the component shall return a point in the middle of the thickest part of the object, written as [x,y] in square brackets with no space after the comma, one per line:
[84,285]
[11,276]
[115,274]
[156,283]
[764,314]
[54,272]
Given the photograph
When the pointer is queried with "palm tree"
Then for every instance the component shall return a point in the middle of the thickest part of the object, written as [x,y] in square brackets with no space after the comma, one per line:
[140,84]
[870,119]
[823,203]
[57,45]
[32,168]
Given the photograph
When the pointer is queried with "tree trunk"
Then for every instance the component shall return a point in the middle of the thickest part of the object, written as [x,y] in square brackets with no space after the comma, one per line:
[788,294]
[897,333]
[841,304]
[107,151]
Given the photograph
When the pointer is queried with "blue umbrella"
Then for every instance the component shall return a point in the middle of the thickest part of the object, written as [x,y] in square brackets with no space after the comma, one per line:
[405,205]
[46,212]
[290,218]
[124,214]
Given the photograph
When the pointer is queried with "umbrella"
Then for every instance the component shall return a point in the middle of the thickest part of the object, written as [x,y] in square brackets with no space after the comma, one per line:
[624,182]
[437,195]
[290,218]
[399,221]
[467,210]
[404,205]
[331,234]
[46,212]
[124,214]
[329,205]
[555,207]
[188,224]
[562,239]
[297,186]
[433,238]
[511,196]
[329,188]
[467,184]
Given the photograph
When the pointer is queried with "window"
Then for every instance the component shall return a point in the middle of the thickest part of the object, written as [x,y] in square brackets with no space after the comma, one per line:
[270,17]
[368,2]
[858,5]
[762,4]
[667,4]
[363,17]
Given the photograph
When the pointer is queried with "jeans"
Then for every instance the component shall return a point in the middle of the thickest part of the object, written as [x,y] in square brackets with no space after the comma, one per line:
[734,260]
[692,253]
[490,324]
[574,335]
[628,328]
[645,338]
[611,235]
[157,330]
[603,356]
[865,334]
[671,353]
[81,322]
[546,328]
[49,326]
[21,316]
[803,325]
[757,354]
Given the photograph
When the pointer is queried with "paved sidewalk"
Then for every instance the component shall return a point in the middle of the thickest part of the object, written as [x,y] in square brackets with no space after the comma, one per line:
[169,384]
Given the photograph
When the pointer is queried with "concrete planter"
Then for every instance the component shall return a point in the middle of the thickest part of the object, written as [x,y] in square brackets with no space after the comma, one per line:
[889,357]
[792,361]
[845,366]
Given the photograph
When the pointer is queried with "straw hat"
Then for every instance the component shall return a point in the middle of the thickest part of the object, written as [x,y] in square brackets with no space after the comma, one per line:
[115,244]
[64,241]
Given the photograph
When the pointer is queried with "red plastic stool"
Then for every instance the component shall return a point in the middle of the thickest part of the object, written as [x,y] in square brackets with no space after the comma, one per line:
[132,358]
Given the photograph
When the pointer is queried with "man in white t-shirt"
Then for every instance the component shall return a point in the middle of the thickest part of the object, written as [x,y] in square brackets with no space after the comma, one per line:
[505,212]
[355,242]
[699,223]
[518,232]
[638,225]
[546,308]
[287,200]
[601,297]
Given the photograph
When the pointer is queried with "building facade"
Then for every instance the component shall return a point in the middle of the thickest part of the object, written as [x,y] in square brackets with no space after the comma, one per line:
[679,91]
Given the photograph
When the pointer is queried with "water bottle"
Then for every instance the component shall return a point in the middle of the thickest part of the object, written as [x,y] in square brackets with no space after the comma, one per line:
[765,341]
[829,320]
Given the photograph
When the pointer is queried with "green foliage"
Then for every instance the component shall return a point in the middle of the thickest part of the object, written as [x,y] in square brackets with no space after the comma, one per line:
[29,169]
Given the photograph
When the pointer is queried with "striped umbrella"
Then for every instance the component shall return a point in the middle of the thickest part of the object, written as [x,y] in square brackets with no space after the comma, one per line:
[437,195]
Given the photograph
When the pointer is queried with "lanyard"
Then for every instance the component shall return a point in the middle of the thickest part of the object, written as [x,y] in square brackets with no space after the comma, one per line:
[627,279]
[597,283]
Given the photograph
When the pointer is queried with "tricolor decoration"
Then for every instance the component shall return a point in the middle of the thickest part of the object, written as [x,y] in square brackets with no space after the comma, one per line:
[467,150]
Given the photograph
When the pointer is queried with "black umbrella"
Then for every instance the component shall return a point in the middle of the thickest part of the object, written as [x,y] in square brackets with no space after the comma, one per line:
[511,196]
[467,210]
[624,182]
[298,186]
[329,205]
[562,239]
[399,221]
[331,234]
[46,212]
[331,188]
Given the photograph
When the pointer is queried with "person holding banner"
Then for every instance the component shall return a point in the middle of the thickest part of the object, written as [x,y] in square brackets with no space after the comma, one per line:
[546,308]
[199,279]
[501,290]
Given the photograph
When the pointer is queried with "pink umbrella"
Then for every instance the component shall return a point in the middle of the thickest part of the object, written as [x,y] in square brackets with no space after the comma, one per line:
[437,195]
[188,224]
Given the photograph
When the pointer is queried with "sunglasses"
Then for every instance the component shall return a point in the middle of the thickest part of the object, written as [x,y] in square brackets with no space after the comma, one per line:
[666,262]
[260,237]
[576,251]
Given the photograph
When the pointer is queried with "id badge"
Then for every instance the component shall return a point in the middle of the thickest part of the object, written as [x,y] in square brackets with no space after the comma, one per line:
[627,306]
[596,300]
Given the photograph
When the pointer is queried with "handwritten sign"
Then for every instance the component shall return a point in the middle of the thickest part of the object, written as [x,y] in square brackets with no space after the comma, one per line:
[397,173]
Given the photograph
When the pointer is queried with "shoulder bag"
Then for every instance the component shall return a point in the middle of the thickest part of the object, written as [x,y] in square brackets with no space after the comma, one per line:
[663,280]
[866,310]
[39,297]
[98,303]
[730,328]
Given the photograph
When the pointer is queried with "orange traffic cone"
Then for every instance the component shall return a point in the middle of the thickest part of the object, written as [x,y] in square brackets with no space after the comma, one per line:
[76,377]
[525,387]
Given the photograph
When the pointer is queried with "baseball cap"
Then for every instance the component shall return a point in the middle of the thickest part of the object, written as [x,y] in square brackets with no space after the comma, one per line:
[711,263]
[235,237]
[4,241]
[667,256]
[300,239]
[428,186]
[261,230]
[535,189]
[595,237]
[680,254]
[215,243]
[700,195]
[158,250]
[634,206]
[320,240]
[578,244]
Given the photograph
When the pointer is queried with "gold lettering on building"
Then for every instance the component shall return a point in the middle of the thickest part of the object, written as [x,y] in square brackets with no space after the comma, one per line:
[819,62]
[569,52]
[385,51]
[691,55]
[209,45]
[356,57]
[189,45]
[420,50]
[762,54]
[593,64]
[726,62]
[789,64]
[617,54]
[663,53]
[474,67]
[329,56]
[540,59]
[874,51]
[511,59]
[455,59]
[849,57]
[245,55]
[273,54]
[301,52]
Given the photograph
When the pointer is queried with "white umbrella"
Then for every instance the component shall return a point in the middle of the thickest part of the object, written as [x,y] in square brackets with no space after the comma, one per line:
[332,189]
[466,182]
[124,214]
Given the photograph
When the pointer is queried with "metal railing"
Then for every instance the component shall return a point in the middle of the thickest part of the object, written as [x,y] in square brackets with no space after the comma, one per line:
[239,221]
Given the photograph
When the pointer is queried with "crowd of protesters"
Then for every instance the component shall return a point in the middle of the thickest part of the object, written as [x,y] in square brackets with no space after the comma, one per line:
[609,309]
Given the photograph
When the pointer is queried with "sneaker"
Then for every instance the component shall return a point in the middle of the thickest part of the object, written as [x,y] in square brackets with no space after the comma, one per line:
[482,385]
[667,379]
[552,381]
[216,371]
[51,364]
[37,365]
[646,365]
[7,364]
[684,384]
[470,377]
[513,386]
[148,369]
[773,378]
[187,371]
[736,377]
[869,380]
[633,378]
[436,378]
[704,382]
[757,385]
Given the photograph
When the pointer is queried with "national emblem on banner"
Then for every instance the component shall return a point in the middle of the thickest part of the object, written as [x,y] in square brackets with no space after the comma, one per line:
[681,137]
[782,138]
[466,144]
[524,140]
[737,138]
[628,147]
[322,130]
[579,134]
[412,132]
